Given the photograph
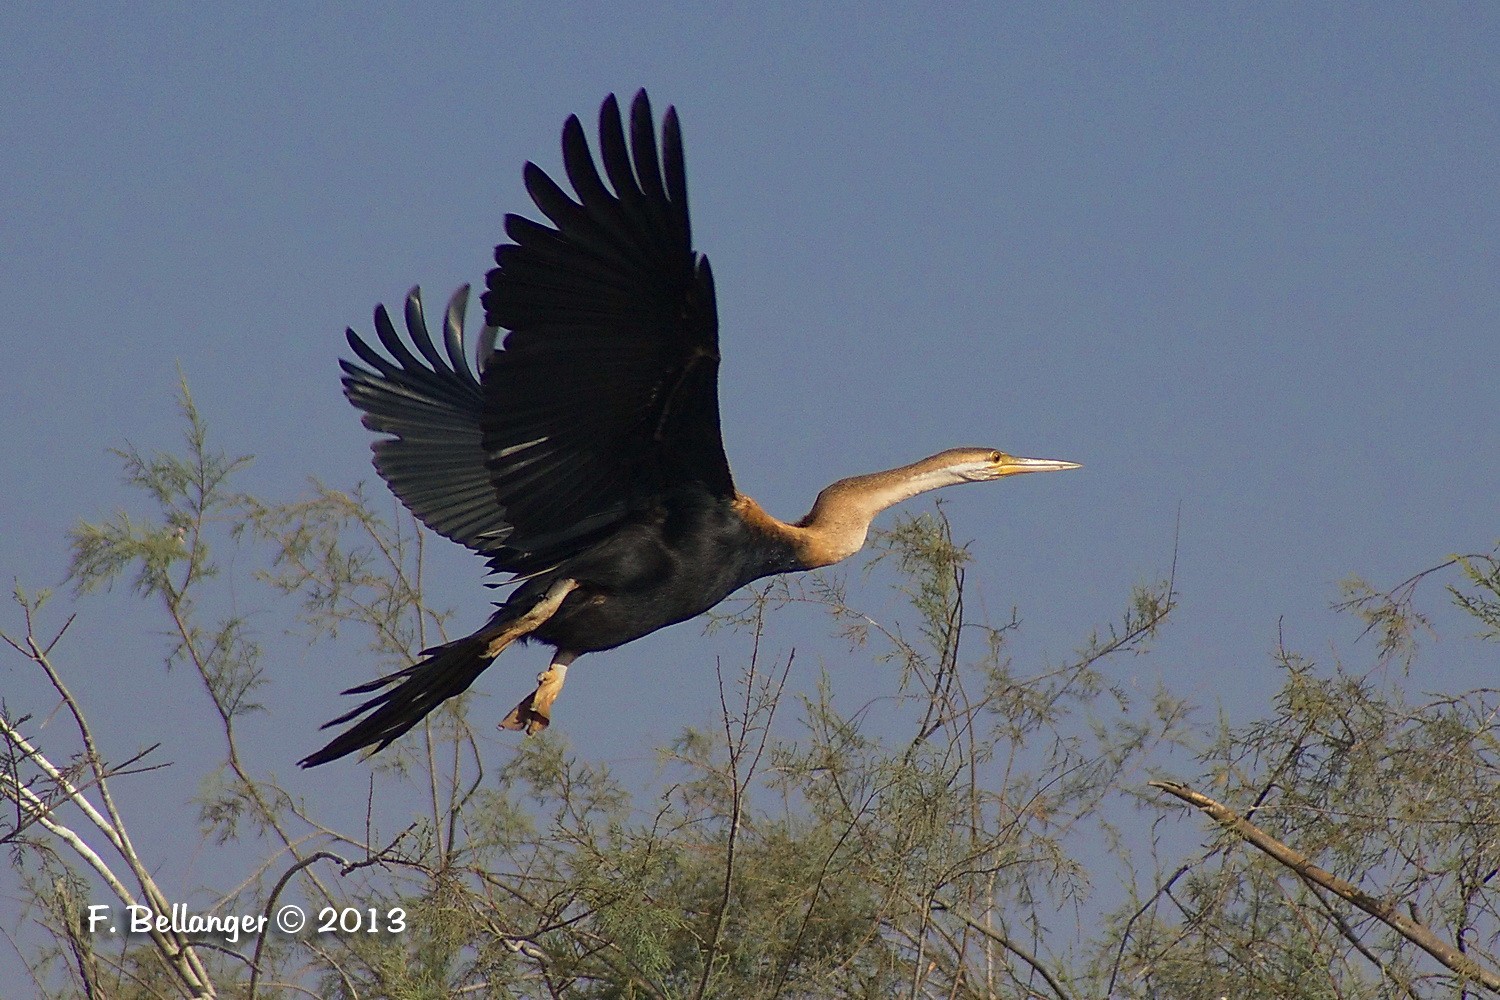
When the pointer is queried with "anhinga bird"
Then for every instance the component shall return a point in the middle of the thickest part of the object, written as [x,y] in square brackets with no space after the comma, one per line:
[584,457]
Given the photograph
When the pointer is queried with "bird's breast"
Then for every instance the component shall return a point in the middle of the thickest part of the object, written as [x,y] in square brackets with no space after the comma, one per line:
[658,575]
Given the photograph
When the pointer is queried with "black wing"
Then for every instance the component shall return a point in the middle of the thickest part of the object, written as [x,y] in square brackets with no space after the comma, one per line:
[435,460]
[605,395]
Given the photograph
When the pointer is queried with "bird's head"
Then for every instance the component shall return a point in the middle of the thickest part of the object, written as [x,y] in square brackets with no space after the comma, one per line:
[979,465]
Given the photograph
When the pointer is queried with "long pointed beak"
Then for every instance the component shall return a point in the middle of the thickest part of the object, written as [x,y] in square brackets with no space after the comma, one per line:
[1011,466]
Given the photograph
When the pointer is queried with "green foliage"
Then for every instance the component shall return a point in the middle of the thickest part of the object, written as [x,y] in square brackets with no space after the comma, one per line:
[1481,598]
[189,493]
[983,831]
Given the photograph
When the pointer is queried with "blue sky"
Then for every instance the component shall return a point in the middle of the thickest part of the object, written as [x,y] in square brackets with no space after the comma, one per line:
[1240,261]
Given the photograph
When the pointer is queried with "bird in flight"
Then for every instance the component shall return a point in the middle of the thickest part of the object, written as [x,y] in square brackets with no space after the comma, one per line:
[583,456]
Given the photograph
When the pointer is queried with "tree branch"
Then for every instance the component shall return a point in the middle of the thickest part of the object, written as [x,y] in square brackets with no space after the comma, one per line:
[1386,912]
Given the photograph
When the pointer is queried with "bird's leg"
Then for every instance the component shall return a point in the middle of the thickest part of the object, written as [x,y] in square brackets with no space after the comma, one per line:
[535,711]
[533,619]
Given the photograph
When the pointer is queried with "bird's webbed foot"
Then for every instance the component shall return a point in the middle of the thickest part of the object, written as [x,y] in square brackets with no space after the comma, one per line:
[534,713]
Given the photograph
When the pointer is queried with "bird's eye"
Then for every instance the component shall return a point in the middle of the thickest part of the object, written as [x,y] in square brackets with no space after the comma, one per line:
[994,456]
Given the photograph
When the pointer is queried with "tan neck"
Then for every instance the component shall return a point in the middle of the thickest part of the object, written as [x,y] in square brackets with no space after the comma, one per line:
[840,518]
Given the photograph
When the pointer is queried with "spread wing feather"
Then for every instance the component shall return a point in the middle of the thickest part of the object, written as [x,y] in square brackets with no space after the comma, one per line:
[434,458]
[605,395]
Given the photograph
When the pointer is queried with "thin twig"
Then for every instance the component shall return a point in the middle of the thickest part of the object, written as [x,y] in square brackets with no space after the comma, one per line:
[260,939]
[1005,942]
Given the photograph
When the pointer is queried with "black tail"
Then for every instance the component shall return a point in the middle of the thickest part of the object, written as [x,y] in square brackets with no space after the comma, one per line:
[446,671]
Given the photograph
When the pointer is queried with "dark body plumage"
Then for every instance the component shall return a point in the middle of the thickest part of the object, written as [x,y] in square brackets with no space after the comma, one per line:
[582,456]
[674,563]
